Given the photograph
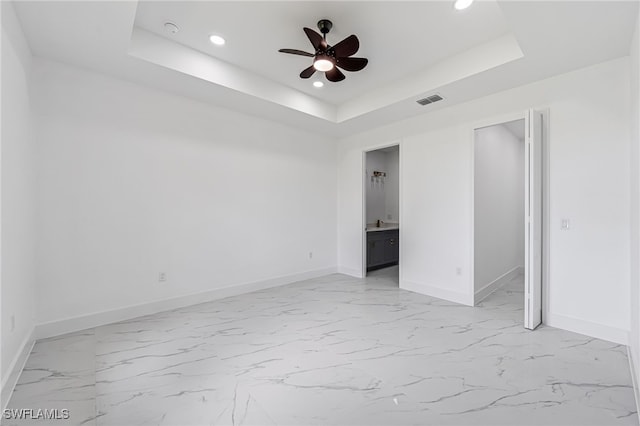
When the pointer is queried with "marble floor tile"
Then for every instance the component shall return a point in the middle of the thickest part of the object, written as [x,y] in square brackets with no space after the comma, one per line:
[331,351]
[59,374]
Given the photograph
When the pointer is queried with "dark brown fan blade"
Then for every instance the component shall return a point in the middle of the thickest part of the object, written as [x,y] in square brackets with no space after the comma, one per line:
[352,64]
[334,75]
[347,47]
[308,72]
[295,52]
[316,40]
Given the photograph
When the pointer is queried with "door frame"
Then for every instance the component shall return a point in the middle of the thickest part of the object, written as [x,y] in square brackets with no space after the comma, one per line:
[497,120]
[363,223]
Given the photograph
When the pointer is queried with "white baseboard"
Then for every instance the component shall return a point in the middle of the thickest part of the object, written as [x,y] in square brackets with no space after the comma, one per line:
[83,322]
[350,271]
[438,292]
[634,379]
[497,283]
[15,369]
[591,329]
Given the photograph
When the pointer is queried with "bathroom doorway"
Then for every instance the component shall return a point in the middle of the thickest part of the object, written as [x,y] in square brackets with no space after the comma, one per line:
[382,213]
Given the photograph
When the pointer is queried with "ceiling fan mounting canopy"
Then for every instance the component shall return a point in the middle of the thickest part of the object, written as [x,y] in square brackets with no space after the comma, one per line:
[328,58]
[325,25]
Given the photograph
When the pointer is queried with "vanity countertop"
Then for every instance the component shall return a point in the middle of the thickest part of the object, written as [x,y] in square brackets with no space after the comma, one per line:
[386,226]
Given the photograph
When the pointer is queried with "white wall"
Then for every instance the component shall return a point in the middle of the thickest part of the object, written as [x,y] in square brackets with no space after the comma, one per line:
[589,178]
[382,196]
[498,204]
[375,188]
[392,185]
[18,196]
[135,182]
[634,336]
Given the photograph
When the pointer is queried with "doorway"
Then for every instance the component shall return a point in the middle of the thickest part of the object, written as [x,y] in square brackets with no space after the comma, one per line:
[381,190]
[507,219]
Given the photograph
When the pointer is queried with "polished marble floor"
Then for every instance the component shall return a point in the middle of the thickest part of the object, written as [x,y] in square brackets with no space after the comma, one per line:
[331,351]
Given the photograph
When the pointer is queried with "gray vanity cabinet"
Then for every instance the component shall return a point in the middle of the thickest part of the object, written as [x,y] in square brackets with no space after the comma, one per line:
[382,249]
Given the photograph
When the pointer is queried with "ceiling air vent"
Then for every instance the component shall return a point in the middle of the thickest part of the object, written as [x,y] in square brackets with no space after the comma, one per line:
[430,99]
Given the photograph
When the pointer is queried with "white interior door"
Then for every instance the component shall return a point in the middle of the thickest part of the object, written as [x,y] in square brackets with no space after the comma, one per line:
[533,221]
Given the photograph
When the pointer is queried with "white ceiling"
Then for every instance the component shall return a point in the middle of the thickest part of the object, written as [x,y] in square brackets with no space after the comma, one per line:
[398,40]
[490,47]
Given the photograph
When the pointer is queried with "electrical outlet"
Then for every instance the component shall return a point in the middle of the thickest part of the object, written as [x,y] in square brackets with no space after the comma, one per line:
[13,322]
[162,276]
[388,217]
[310,255]
[458,271]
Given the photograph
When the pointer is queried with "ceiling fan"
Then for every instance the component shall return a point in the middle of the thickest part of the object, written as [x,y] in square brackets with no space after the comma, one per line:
[328,58]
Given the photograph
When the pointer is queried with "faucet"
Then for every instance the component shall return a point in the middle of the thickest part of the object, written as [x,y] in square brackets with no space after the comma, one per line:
[379,223]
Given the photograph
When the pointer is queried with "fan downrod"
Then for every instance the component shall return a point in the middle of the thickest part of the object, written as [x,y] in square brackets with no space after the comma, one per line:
[325,25]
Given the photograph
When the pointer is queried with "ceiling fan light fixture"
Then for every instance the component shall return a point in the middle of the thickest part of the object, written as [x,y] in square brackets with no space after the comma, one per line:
[462,4]
[322,63]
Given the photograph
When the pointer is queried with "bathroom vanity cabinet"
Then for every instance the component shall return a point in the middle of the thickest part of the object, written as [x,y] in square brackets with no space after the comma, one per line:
[382,248]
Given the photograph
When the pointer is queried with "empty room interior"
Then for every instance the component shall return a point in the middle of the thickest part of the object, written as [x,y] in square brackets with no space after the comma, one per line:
[320,213]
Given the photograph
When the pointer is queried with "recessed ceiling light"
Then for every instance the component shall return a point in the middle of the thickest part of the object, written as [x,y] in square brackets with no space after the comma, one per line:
[462,4]
[318,84]
[217,40]
[171,28]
